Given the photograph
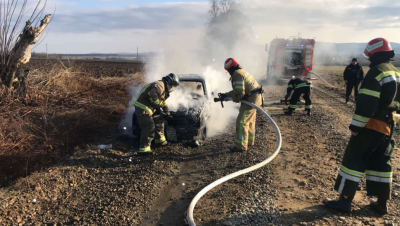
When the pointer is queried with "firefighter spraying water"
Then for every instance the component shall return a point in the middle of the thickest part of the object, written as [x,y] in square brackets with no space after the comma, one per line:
[245,87]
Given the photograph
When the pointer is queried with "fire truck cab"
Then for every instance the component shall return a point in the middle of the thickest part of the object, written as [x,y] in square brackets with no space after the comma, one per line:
[290,57]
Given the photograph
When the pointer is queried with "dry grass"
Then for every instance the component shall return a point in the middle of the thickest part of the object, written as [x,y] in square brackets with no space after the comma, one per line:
[64,109]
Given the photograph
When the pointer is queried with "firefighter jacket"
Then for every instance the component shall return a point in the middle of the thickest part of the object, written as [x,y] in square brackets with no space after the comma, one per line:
[296,83]
[153,96]
[378,99]
[243,84]
[353,74]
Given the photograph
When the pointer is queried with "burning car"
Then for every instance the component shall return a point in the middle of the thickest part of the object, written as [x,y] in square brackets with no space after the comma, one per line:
[189,122]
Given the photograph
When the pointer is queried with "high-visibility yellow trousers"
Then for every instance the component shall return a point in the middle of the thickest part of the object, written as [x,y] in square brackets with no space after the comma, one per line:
[246,124]
[152,127]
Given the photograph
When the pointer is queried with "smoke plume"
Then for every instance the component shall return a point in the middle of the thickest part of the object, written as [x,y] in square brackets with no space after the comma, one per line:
[227,34]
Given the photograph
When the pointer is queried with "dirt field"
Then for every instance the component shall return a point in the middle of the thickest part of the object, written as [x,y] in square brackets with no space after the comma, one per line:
[74,183]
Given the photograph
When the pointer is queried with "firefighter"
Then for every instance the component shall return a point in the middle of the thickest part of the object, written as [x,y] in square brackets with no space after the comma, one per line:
[353,75]
[300,86]
[371,145]
[245,87]
[150,108]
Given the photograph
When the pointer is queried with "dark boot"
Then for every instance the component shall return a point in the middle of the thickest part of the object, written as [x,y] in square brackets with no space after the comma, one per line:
[347,100]
[147,153]
[308,112]
[342,205]
[289,112]
[165,143]
[380,206]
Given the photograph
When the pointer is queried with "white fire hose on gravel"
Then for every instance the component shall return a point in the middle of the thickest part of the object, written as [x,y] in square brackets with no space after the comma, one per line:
[323,80]
[190,217]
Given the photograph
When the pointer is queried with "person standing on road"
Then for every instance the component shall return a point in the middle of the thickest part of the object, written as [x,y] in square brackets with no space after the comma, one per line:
[245,87]
[300,86]
[353,75]
[150,105]
[371,144]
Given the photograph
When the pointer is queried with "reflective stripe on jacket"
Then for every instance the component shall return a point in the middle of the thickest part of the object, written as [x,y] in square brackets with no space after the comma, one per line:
[152,96]
[242,83]
[296,83]
[378,98]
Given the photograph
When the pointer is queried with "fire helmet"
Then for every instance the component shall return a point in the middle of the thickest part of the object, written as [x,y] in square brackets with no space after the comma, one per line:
[172,80]
[377,45]
[230,62]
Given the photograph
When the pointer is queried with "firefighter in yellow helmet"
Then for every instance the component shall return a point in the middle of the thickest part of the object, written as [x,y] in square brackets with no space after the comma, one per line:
[245,87]
[149,106]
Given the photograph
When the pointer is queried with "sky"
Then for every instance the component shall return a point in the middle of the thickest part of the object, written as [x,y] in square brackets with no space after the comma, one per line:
[120,26]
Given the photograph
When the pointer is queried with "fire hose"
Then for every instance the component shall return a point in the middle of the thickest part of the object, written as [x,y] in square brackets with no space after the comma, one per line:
[192,205]
[323,80]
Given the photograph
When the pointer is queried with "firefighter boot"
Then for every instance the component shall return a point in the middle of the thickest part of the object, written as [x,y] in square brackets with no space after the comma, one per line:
[380,206]
[163,144]
[347,100]
[342,205]
[308,112]
[146,151]
[289,111]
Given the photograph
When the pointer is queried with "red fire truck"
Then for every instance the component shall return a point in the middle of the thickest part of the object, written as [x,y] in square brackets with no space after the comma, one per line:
[290,57]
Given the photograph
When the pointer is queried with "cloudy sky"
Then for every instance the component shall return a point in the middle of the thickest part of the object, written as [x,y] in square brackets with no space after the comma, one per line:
[113,26]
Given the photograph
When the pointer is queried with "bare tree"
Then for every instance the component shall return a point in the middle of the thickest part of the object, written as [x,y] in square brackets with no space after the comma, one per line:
[214,8]
[226,25]
[16,43]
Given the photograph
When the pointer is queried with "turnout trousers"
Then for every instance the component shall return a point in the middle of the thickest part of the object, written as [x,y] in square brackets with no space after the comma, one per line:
[369,152]
[296,96]
[246,123]
[349,88]
[152,126]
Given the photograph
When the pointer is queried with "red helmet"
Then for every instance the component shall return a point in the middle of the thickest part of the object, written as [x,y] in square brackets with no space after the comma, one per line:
[377,45]
[230,62]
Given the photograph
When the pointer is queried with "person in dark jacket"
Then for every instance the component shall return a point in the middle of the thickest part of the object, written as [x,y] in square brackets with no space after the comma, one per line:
[353,75]
[371,145]
[300,87]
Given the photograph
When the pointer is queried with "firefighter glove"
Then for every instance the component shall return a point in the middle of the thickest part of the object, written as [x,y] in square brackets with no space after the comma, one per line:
[286,98]
[158,111]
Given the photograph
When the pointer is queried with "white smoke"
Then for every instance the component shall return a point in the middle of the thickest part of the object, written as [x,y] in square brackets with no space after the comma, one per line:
[217,81]
[126,123]
[208,62]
